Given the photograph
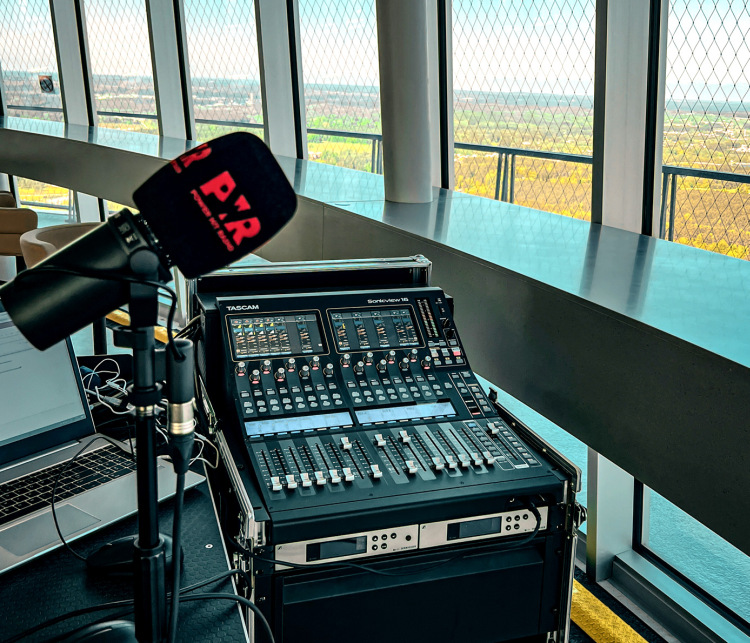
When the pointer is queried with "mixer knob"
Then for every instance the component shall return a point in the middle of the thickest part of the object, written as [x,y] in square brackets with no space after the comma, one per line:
[404,364]
[359,368]
[348,475]
[290,364]
[410,467]
[376,472]
[345,444]
[413,355]
[304,372]
[240,368]
[328,369]
[346,359]
[369,358]
[426,362]
[379,440]
[404,435]
[306,482]
[315,363]
[255,376]
[280,375]
[382,366]
[291,481]
[335,477]
[266,365]
[438,463]
[391,357]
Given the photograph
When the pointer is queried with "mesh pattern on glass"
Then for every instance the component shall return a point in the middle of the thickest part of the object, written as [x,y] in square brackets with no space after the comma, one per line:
[339,47]
[53,204]
[706,126]
[27,59]
[120,56]
[523,78]
[223,52]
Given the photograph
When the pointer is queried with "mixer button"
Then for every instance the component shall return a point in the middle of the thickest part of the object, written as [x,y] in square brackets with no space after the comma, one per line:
[338,402]
[393,397]
[308,388]
[305,477]
[320,478]
[276,483]
[291,481]
[376,472]
[332,386]
[438,463]
[345,443]
[348,475]
[312,398]
[382,398]
[335,477]
[313,405]
[379,440]
[404,435]
[325,403]
[411,467]
[324,396]
[336,396]
[244,394]
[320,387]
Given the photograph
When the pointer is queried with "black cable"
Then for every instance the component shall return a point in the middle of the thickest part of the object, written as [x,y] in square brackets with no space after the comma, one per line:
[176,550]
[123,603]
[237,599]
[59,476]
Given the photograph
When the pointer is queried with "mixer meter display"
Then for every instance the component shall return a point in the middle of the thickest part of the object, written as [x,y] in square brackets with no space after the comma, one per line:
[377,328]
[276,335]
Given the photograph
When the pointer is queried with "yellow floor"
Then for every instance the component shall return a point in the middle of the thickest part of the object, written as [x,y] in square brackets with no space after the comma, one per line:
[598,621]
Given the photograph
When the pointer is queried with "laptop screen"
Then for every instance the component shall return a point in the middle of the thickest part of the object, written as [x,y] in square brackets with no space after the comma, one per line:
[42,403]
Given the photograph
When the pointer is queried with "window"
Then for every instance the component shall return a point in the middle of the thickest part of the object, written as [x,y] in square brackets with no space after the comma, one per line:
[523,78]
[341,82]
[222,45]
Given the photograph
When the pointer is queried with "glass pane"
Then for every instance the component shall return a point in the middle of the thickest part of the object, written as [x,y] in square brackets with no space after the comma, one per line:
[222,43]
[27,59]
[53,204]
[698,553]
[523,79]
[706,127]
[120,56]
[341,80]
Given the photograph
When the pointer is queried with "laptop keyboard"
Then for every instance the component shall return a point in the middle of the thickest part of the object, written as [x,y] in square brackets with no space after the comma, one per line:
[30,493]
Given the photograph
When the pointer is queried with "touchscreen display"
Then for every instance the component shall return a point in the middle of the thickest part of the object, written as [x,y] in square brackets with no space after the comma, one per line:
[261,336]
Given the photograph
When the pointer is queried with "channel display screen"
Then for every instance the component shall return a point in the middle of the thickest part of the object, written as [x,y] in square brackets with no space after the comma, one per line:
[279,335]
[336,548]
[376,328]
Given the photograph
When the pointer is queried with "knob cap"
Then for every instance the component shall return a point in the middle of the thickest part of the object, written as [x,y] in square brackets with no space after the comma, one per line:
[404,364]
[391,357]
[382,366]
[427,362]
[413,354]
[359,368]
[280,374]
[255,376]
[315,362]
[328,369]
[241,368]
[266,365]
[346,359]
[369,358]
[290,364]
[304,372]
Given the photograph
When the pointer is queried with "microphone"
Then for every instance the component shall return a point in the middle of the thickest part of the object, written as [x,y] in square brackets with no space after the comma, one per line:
[180,409]
[202,211]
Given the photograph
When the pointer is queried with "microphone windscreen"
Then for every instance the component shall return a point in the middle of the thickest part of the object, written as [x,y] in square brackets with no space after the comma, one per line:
[216,203]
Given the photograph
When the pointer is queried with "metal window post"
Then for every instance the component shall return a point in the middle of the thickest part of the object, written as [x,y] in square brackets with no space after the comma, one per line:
[172,89]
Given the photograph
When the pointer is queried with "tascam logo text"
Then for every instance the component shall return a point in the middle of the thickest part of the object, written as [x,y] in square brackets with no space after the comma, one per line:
[245,307]
[232,225]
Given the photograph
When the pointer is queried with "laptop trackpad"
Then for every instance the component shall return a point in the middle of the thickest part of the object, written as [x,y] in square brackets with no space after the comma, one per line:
[39,532]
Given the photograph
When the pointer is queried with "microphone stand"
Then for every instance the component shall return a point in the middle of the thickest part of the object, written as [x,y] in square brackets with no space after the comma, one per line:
[149,549]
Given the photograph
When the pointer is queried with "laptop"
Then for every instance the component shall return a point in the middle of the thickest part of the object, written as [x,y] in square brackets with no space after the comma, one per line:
[44,421]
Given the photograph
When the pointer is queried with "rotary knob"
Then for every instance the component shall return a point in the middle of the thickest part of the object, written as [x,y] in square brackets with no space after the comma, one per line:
[315,363]
[240,369]
[391,357]
[280,374]
[369,358]
[290,364]
[255,376]
[413,355]
[304,372]
[266,365]
[328,369]
[346,359]
[404,364]
[426,362]
[382,366]
[359,368]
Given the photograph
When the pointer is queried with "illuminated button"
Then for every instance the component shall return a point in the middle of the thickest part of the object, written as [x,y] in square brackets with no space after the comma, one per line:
[376,472]
[305,477]
[348,475]
[276,483]
[335,477]
[291,481]
[345,444]
[438,463]
[320,478]
[411,466]
[404,435]
[379,440]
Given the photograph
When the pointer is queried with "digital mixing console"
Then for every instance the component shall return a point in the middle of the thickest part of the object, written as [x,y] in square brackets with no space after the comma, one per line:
[352,428]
